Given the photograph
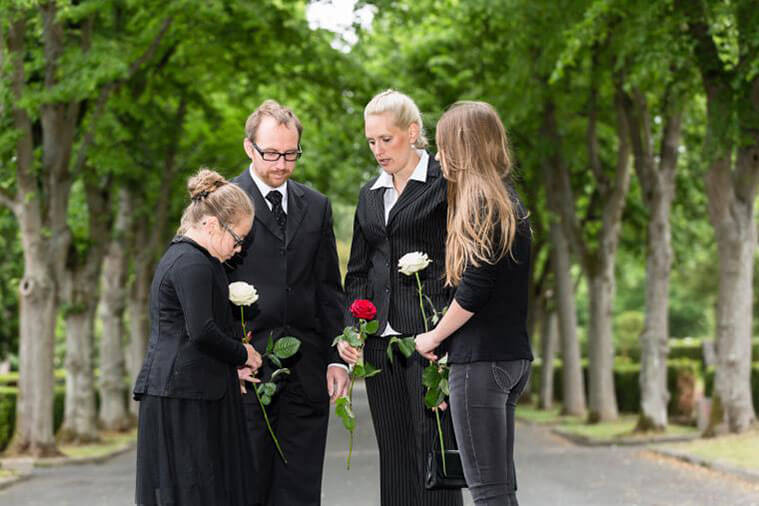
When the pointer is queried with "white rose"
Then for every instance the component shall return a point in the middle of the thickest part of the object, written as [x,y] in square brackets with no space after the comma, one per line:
[242,293]
[413,262]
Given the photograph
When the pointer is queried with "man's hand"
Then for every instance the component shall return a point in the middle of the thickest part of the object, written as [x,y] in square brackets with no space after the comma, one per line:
[337,382]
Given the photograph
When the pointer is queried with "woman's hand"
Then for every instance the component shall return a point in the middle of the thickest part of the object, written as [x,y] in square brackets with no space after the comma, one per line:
[254,360]
[348,352]
[426,344]
[245,373]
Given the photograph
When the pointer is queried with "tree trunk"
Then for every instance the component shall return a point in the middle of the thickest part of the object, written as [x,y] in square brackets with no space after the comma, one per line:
[573,383]
[113,414]
[732,93]
[137,308]
[736,243]
[549,337]
[554,169]
[603,399]
[79,420]
[38,308]
[655,336]
[37,289]
[657,181]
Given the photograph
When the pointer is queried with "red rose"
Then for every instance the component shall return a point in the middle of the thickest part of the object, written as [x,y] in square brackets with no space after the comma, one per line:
[362,308]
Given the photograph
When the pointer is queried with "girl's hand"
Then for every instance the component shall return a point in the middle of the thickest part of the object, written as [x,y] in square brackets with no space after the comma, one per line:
[245,373]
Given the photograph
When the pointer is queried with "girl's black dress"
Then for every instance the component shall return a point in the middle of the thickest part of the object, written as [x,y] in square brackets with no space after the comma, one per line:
[192,444]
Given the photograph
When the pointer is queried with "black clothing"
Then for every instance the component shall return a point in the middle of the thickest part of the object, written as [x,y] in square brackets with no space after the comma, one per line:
[193,452]
[192,339]
[497,295]
[405,429]
[276,208]
[417,222]
[192,446]
[296,272]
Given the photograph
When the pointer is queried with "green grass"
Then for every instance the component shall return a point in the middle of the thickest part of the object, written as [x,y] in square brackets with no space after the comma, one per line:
[530,413]
[621,429]
[739,450]
[5,473]
[110,442]
[606,431]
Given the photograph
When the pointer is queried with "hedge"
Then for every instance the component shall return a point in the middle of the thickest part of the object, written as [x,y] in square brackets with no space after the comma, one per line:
[8,412]
[689,347]
[626,383]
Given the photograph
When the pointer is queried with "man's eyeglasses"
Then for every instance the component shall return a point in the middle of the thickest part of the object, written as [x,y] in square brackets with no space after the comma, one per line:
[272,156]
[239,241]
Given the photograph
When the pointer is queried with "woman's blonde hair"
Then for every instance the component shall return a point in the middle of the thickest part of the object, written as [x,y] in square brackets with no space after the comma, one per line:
[404,111]
[474,154]
[212,195]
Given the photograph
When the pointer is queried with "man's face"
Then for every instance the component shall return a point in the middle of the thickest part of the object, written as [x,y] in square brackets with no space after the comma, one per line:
[273,137]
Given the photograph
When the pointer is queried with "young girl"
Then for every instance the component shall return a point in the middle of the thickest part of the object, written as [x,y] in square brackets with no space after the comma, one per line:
[192,446]
[487,260]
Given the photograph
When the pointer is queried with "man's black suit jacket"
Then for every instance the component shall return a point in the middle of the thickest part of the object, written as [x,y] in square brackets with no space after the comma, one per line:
[297,278]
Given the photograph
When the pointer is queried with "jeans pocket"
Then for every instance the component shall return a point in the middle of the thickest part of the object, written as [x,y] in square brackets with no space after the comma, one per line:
[502,378]
[507,374]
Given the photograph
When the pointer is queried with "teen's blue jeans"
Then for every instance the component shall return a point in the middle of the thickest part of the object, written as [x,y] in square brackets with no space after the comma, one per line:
[483,399]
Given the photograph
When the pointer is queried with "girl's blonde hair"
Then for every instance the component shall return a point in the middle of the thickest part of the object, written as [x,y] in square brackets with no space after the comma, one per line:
[212,195]
[404,111]
[474,155]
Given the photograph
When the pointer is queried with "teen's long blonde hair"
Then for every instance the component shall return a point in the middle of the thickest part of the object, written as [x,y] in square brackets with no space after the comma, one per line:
[474,155]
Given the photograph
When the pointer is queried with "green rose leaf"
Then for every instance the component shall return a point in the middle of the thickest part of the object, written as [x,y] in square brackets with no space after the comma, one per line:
[337,340]
[370,370]
[433,398]
[371,327]
[352,337]
[444,387]
[407,345]
[431,376]
[286,347]
[389,349]
[269,345]
[279,372]
[274,360]
[359,371]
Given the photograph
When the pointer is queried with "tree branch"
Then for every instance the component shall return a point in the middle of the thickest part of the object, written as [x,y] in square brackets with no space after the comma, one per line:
[109,88]
[24,147]
[594,157]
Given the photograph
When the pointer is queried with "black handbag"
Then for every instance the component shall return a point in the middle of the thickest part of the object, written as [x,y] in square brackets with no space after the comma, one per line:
[434,478]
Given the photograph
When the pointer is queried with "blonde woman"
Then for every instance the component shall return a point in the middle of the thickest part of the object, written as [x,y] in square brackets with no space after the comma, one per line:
[488,263]
[192,446]
[400,211]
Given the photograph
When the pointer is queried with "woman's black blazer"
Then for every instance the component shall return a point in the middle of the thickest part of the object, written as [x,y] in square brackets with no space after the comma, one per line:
[192,342]
[417,222]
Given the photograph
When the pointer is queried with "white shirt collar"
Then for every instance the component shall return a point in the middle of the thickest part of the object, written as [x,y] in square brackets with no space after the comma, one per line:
[385,180]
[265,188]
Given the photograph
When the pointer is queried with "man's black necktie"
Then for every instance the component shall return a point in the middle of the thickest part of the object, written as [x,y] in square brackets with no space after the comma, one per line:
[275,198]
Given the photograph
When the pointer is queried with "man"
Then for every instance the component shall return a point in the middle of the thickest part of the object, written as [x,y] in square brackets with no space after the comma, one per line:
[291,259]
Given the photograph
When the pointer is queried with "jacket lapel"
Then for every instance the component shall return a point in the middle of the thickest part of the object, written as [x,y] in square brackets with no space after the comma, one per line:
[376,204]
[296,209]
[413,190]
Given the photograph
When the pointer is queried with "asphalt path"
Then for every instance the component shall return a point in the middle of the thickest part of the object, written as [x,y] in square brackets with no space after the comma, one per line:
[550,471]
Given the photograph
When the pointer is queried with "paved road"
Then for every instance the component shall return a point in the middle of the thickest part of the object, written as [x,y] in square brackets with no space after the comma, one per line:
[551,471]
